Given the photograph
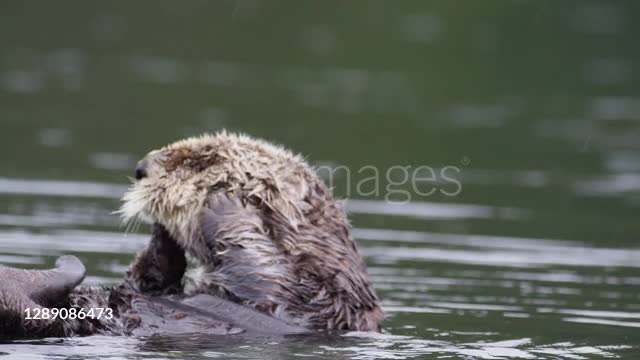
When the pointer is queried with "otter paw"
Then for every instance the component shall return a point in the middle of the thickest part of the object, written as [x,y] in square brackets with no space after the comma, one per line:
[220,207]
[222,204]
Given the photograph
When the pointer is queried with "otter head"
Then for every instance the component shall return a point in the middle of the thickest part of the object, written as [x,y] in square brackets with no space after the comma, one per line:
[172,183]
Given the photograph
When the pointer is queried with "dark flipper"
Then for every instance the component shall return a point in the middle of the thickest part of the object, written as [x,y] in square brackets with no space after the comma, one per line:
[52,287]
[22,289]
[44,287]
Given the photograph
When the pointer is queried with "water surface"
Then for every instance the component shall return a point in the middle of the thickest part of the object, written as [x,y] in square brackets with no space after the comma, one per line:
[536,103]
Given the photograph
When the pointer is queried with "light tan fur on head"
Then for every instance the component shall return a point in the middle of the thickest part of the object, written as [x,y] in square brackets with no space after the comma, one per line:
[276,239]
[182,174]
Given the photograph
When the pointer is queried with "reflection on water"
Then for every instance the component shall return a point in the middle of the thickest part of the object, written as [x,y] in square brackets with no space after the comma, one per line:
[536,102]
[428,280]
[365,346]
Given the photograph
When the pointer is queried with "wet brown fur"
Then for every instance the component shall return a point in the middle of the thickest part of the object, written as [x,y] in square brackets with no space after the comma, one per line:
[264,228]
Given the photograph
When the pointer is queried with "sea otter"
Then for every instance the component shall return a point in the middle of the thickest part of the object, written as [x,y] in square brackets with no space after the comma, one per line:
[264,229]
[262,226]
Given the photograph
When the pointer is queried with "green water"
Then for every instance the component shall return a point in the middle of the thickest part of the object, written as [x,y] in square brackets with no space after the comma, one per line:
[534,106]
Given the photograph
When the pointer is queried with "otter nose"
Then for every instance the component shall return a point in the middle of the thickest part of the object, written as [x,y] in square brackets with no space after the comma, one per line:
[141,170]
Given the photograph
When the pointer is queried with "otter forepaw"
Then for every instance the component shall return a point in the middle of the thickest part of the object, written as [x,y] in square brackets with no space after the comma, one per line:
[160,267]
[220,207]
[222,204]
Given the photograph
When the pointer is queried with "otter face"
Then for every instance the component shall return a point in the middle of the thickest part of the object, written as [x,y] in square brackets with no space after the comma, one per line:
[172,183]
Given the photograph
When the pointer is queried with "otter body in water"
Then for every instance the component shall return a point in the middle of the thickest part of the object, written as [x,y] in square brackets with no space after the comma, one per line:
[24,294]
[263,227]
